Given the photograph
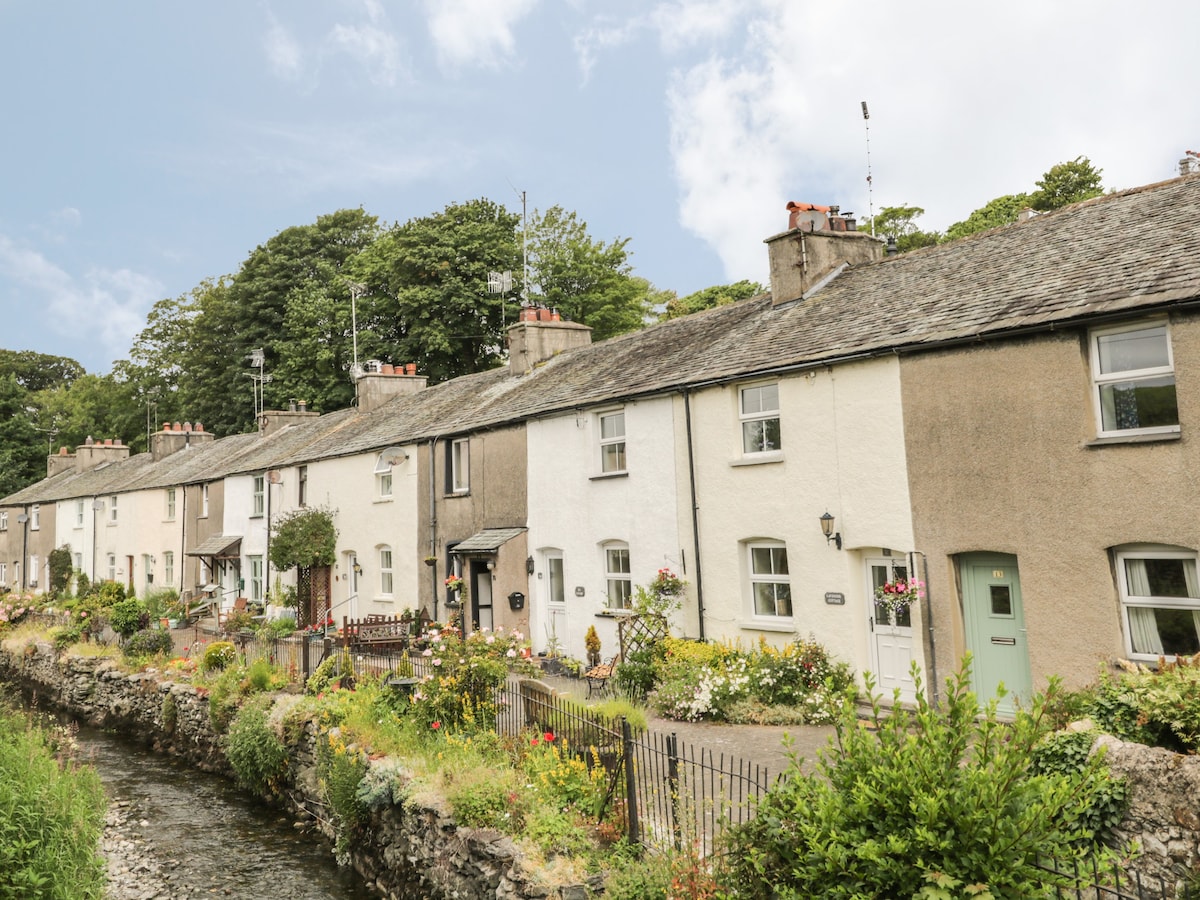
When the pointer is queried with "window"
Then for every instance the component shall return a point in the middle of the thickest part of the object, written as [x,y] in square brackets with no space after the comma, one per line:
[170,504]
[256,578]
[458,468]
[35,517]
[168,568]
[4,575]
[554,567]
[770,586]
[112,567]
[204,501]
[383,478]
[616,574]
[4,521]
[1135,380]
[78,557]
[759,410]
[78,513]
[385,571]
[1160,598]
[260,497]
[35,566]
[112,509]
[302,486]
[612,441]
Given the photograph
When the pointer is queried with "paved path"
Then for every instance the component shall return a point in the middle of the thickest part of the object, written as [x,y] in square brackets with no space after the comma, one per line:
[761,745]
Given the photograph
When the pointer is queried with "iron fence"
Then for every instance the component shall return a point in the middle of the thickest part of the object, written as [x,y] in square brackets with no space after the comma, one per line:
[1090,880]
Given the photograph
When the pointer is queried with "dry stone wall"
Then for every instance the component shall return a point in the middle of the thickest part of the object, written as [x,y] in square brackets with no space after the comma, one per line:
[405,851]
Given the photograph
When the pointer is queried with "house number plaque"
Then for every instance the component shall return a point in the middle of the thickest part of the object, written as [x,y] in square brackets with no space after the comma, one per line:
[835,599]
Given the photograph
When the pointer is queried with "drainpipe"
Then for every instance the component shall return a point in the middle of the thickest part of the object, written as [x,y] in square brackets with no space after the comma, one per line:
[687,408]
[266,585]
[927,612]
[433,521]
[24,520]
[182,544]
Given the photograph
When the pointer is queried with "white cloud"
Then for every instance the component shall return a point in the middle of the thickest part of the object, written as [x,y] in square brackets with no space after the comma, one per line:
[283,51]
[372,44]
[106,307]
[475,32]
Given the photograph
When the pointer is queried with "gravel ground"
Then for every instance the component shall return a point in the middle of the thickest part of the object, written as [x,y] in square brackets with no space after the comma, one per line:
[133,872]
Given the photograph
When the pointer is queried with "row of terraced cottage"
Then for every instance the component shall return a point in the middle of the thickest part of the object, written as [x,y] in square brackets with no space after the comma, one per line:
[1009,417]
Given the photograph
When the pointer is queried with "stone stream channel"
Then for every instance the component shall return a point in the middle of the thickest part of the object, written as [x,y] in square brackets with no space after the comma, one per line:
[175,832]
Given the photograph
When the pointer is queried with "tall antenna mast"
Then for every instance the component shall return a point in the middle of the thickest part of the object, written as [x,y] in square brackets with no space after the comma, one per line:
[524,253]
[870,186]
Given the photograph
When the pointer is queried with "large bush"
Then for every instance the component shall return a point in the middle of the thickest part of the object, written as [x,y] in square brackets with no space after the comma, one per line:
[51,816]
[1160,708]
[255,752]
[921,797]
[128,616]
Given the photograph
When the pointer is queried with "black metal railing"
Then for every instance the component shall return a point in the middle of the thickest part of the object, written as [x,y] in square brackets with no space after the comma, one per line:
[1089,879]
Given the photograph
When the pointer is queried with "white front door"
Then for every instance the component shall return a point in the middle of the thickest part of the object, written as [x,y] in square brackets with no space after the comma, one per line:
[891,633]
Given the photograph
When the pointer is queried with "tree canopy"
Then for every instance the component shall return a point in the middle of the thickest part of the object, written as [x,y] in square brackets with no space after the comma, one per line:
[709,298]
[900,222]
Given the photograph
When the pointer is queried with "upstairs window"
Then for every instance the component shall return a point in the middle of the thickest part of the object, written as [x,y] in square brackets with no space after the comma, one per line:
[112,511]
[617,576]
[4,520]
[383,478]
[759,411]
[259,506]
[612,441]
[170,504]
[35,517]
[458,467]
[78,513]
[1160,599]
[770,584]
[1134,379]
[302,486]
[386,586]
[204,501]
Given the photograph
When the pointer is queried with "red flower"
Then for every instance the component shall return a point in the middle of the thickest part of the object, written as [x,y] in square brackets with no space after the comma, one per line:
[436,725]
[549,737]
[534,742]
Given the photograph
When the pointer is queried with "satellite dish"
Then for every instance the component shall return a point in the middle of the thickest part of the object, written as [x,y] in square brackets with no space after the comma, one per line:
[274,476]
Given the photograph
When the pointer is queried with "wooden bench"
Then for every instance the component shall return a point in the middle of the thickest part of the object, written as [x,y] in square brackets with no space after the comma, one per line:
[377,630]
[597,676]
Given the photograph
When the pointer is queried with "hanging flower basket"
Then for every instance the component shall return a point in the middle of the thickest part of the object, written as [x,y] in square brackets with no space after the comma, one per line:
[454,582]
[897,596]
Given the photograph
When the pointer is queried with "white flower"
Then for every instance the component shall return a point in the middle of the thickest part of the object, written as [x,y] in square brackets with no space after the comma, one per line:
[511,653]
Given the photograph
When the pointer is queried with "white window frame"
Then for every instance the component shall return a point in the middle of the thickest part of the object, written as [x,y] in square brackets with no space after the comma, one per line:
[460,466]
[112,510]
[170,504]
[752,418]
[3,575]
[259,497]
[79,513]
[556,587]
[613,458]
[77,558]
[387,576]
[618,578]
[302,486]
[168,568]
[203,501]
[770,576]
[1102,380]
[256,577]
[35,517]
[4,520]
[1132,603]
[383,478]
[34,569]
[112,567]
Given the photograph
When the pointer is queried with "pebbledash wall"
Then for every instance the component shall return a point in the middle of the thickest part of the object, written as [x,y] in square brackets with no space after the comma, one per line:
[409,850]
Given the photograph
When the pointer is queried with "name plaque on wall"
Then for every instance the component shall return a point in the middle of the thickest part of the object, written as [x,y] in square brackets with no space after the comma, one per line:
[835,599]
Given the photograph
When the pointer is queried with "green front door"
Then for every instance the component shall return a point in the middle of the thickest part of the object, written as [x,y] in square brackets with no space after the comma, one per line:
[995,624]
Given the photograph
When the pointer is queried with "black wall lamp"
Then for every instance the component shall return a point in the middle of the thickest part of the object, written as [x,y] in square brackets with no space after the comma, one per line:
[827,530]
[529,565]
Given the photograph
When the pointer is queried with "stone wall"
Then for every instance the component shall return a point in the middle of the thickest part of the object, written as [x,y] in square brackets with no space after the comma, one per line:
[1164,811]
[405,851]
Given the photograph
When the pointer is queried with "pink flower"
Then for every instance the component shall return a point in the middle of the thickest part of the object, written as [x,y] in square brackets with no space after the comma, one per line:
[436,725]
[548,737]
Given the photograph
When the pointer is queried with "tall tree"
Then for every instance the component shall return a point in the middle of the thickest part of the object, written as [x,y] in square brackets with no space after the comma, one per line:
[22,448]
[586,280]
[1067,182]
[427,298]
[1001,211]
[38,371]
[900,222]
[709,297]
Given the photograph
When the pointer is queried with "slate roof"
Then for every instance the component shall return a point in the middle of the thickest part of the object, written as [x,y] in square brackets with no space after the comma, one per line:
[1132,250]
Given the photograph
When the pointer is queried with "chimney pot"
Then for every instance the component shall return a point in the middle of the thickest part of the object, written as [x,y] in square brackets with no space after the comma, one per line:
[108,442]
[388,369]
[892,249]
[187,426]
[302,406]
[410,368]
[177,427]
[62,451]
[89,440]
[117,442]
[198,427]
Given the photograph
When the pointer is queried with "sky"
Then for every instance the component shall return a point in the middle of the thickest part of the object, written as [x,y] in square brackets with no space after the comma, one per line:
[148,146]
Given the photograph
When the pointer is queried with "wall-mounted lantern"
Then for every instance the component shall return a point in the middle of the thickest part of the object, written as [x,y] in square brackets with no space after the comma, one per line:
[827,522]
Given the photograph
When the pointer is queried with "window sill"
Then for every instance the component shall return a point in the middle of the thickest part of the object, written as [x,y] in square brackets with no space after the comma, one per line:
[614,613]
[758,459]
[382,500]
[607,475]
[1118,439]
[452,494]
[787,627]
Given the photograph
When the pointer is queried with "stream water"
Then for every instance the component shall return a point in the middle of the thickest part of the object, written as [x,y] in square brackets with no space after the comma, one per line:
[209,840]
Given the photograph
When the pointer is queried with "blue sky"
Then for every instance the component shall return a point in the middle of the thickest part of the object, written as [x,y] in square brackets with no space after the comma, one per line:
[150,145]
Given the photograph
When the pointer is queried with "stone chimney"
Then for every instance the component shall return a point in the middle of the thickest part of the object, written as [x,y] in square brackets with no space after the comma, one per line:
[273,420]
[62,462]
[383,381]
[92,453]
[539,335]
[176,437]
[818,245]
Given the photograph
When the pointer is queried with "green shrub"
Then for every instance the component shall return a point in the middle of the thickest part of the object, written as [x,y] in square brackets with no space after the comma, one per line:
[110,593]
[278,628]
[217,656]
[648,878]
[340,768]
[51,817]
[942,793]
[487,801]
[1069,753]
[256,754]
[261,675]
[637,674]
[128,616]
[224,697]
[1165,704]
[336,671]
[169,713]
[150,642]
